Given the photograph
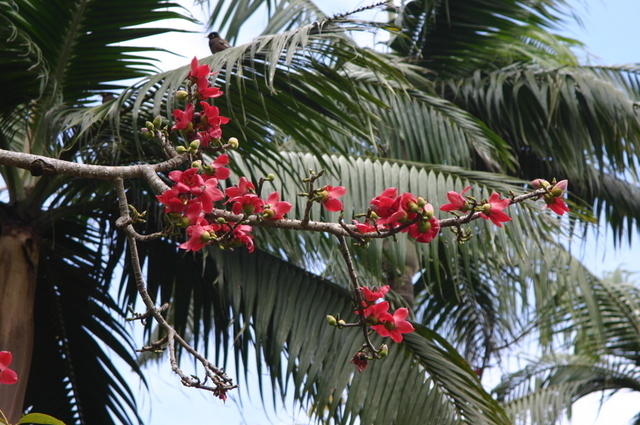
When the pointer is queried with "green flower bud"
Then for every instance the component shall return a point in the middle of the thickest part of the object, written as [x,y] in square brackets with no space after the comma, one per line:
[331,320]
[194,145]
[181,95]
[270,177]
[233,142]
[149,125]
[157,121]
[384,351]
[196,164]
[221,220]
[181,149]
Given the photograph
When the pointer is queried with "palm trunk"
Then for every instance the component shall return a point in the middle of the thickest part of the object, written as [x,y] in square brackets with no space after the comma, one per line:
[19,254]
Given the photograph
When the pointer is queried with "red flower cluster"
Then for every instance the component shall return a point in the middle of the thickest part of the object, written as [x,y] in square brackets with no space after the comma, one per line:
[200,122]
[195,193]
[553,198]
[7,376]
[390,210]
[378,316]
[492,210]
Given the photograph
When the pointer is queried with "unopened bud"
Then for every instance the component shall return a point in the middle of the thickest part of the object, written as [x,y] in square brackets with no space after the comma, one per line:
[221,220]
[194,145]
[384,351]
[181,149]
[146,133]
[270,177]
[184,222]
[421,201]
[413,207]
[341,323]
[206,236]
[157,121]
[538,183]
[149,125]
[196,164]
[233,142]
[268,213]
[331,320]
[181,95]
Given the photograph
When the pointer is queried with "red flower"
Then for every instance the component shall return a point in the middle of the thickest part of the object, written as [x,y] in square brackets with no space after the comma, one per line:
[212,113]
[244,186]
[206,91]
[7,376]
[242,234]
[198,71]
[274,208]
[364,227]
[219,170]
[554,199]
[247,204]
[206,191]
[372,295]
[395,326]
[376,313]
[383,204]
[493,210]
[199,235]
[200,74]
[558,206]
[457,201]
[425,230]
[329,195]
[183,118]
[360,360]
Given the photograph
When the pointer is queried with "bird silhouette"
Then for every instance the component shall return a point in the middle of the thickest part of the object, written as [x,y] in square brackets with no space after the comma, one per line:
[217,43]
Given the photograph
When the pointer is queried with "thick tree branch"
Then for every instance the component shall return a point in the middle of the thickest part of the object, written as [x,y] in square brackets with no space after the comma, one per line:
[39,164]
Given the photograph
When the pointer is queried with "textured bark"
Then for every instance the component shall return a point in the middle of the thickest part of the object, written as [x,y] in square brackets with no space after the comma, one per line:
[19,253]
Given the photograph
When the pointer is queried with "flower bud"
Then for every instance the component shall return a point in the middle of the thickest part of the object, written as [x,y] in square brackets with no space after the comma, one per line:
[233,142]
[331,320]
[421,201]
[268,213]
[146,133]
[341,323]
[149,125]
[538,183]
[181,149]
[221,220]
[157,122]
[184,222]
[194,145]
[428,211]
[181,95]
[413,207]
[384,351]
[270,177]
[485,208]
[196,164]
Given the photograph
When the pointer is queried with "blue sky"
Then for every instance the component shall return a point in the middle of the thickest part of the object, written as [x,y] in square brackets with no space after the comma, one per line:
[611,34]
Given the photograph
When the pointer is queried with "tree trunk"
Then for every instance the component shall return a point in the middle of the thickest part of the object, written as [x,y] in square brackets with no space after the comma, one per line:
[19,254]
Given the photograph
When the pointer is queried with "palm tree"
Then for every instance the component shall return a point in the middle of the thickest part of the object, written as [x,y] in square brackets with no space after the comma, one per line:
[57,315]
[467,93]
[603,354]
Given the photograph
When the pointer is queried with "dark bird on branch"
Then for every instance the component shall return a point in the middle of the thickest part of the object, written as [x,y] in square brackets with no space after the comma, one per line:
[217,43]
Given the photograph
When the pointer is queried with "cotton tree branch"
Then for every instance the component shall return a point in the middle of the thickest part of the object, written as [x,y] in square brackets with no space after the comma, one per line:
[220,382]
[45,165]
